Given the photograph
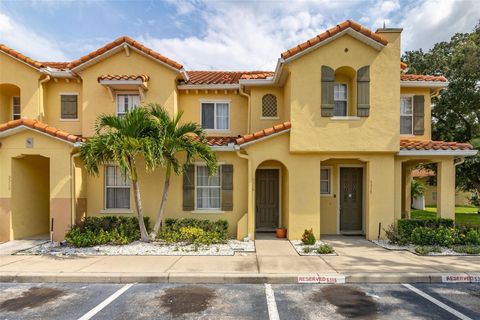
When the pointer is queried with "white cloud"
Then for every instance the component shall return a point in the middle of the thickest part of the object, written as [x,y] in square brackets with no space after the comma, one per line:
[27,42]
[429,22]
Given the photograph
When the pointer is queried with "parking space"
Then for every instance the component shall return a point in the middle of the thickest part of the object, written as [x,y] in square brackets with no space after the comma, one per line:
[245,301]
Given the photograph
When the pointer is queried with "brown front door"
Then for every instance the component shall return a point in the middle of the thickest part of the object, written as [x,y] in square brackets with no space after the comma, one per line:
[351,199]
[266,199]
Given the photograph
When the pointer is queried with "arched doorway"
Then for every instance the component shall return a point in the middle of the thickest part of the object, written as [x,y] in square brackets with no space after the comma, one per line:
[271,207]
[9,102]
[30,197]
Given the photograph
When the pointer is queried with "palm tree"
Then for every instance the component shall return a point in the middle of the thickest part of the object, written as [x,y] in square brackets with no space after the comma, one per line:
[122,140]
[186,141]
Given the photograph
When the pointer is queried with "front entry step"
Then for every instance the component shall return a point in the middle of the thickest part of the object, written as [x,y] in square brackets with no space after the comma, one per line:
[275,248]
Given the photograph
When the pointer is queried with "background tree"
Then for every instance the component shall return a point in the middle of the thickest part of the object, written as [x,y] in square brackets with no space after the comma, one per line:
[456,112]
[122,141]
[179,142]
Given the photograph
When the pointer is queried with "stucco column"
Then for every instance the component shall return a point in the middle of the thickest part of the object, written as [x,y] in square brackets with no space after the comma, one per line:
[407,191]
[304,197]
[380,195]
[398,188]
[446,189]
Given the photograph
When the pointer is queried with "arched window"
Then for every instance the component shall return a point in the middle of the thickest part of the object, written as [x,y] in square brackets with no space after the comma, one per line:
[269,106]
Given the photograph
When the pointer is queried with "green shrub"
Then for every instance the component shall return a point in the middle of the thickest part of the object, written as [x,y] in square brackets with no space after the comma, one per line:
[467,249]
[424,250]
[325,249]
[394,236]
[405,227]
[308,238]
[444,237]
[93,231]
[472,237]
[307,249]
[194,231]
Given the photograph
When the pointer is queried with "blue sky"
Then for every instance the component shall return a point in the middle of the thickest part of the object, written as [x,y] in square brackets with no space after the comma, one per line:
[236,35]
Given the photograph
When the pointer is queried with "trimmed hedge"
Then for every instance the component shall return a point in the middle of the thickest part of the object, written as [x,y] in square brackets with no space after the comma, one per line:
[405,227]
[92,231]
[194,231]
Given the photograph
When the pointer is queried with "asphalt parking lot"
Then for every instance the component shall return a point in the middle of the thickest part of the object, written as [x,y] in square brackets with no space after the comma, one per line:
[246,301]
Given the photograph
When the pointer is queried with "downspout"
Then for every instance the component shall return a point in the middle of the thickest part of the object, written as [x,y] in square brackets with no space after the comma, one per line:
[249,106]
[460,161]
[249,186]
[72,194]
[40,104]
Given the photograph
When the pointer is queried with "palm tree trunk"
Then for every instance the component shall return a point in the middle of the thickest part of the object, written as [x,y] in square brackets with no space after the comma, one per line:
[163,204]
[138,204]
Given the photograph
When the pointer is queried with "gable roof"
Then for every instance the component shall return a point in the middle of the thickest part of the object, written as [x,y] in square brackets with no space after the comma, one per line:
[262,134]
[223,77]
[18,56]
[348,24]
[10,126]
[118,43]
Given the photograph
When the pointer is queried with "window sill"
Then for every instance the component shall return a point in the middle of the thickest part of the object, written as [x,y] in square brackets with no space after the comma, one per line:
[326,195]
[217,130]
[116,211]
[269,118]
[346,118]
[69,120]
[208,211]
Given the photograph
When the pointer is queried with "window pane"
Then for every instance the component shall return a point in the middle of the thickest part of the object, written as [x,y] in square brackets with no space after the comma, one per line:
[222,116]
[208,114]
[324,187]
[135,101]
[110,176]
[110,201]
[406,105]
[214,198]
[122,198]
[202,198]
[340,92]
[406,125]
[324,174]
[340,108]
[202,176]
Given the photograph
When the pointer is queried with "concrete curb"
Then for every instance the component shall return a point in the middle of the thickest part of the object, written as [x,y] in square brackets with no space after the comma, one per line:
[219,278]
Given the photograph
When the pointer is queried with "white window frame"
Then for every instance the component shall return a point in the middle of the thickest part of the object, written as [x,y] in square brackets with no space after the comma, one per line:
[329,168]
[219,209]
[215,126]
[13,109]
[68,94]
[126,93]
[405,115]
[105,187]
[346,99]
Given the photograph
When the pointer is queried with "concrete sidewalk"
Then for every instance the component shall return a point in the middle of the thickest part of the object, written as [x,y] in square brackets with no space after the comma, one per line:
[358,260]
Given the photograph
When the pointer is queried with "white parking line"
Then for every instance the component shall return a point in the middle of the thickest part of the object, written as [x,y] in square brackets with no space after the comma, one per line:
[271,304]
[105,302]
[437,302]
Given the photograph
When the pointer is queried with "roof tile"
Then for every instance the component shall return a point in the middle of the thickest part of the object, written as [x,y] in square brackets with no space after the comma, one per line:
[420,77]
[264,133]
[413,144]
[42,127]
[142,77]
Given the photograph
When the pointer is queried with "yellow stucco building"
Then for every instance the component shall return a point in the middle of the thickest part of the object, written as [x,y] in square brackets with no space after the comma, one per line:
[326,141]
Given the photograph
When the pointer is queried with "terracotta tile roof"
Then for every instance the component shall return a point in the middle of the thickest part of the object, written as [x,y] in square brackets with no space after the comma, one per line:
[117,43]
[422,173]
[56,65]
[412,144]
[142,77]
[224,77]
[264,133]
[403,65]
[42,127]
[20,56]
[330,33]
[220,141]
[420,77]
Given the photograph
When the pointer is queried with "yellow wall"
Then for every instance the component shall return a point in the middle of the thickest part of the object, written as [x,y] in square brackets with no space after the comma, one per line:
[31,196]
[58,153]
[189,103]
[378,132]
[428,111]
[96,100]
[259,123]
[53,105]
[14,72]
[151,188]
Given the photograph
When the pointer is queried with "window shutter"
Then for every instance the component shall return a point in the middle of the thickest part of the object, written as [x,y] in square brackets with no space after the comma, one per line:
[418,115]
[189,188]
[328,77]
[227,187]
[363,92]
[69,107]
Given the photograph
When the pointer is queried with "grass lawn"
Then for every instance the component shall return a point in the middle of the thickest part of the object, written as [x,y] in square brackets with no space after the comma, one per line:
[463,214]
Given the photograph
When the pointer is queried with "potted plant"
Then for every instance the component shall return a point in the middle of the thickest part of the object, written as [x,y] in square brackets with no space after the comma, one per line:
[281,232]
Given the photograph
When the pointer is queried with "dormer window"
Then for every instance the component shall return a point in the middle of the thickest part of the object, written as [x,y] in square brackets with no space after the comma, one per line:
[340,99]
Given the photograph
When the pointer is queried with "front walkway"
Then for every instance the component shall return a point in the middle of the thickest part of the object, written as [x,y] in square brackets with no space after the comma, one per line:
[276,261]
